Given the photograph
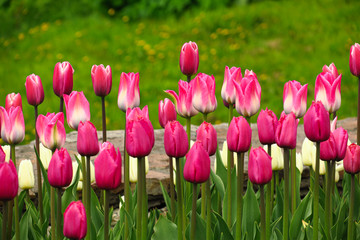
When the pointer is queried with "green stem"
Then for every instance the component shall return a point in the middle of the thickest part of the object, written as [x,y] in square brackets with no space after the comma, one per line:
[327,199]
[84,188]
[203,201]
[103,118]
[230,164]
[350,233]
[188,78]
[312,176]
[139,201]
[145,206]
[38,172]
[126,185]
[208,210]
[5,216]
[268,201]
[293,180]
[10,211]
[188,129]
[181,233]
[88,196]
[61,104]
[52,213]
[272,189]
[172,189]
[333,185]
[286,194]
[262,210]
[239,193]
[59,215]
[106,215]
[316,194]
[277,178]
[358,115]
[16,199]
[193,213]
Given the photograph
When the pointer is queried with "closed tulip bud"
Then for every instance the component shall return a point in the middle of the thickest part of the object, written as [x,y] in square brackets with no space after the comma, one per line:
[175,140]
[77,109]
[34,90]
[129,93]
[331,69]
[6,149]
[328,149]
[9,180]
[341,140]
[167,112]
[45,156]
[277,161]
[133,166]
[267,123]
[26,175]
[13,100]
[286,131]
[259,166]
[228,91]
[51,130]
[101,79]
[197,165]
[322,169]
[239,135]
[327,90]
[299,162]
[60,170]
[248,94]
[354,60]
[183,101]
[189,58]
[75,226]
[63,78]
[12,125]
[87,139]
[294,98]
[317,123]
[206,134]
[308,151]
[203,91]
[108,167]
[352,159]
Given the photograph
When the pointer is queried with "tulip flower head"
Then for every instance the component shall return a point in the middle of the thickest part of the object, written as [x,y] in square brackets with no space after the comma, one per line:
[129,93]
[197,165]
[175,140]
[34,90]
[317,123]
[101,79]
[341,140]
[3,157]
[354,60]
[189,58]
[352,159]
[228,91]
[9,176]
[277,161]
[133,168]
[267,123]
[286,131]
[294,98]
[203,91]
[6,150]
[75,226]
[328,91]
[26,174]
[322,169]
[51,130]
[308,152]
[87,139]
[239,135]
[299,162]
[12,125]
[77,109]
[328,150]
[63,78]
[206,134]
[60,170]
[167,112]
[45,156]
[13,100]
[223,155]
[331,69]
[259,166]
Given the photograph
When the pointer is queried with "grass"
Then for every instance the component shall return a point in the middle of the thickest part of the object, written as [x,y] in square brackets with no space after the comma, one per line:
[280,41]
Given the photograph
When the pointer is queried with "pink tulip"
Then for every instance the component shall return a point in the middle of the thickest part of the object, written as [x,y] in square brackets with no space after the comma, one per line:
[206,134]
[63,78]
[51,130]
[197,165]
[34,90]
[331,69]
[294,98]
[341,139]
[183,101]
[189,58]
[108,167]
[328,149]
[2,155]
[285,135]
[139,132]
[267,123]
[129,93]
[87,139]
[328,91]
[228,91]
[352,159]
[317,123]
[354,61]
[175,140]
[12,125]
[167,112]
[248,94]
[203,91]
[60,170]
[77,109]
[9,180]
[75,226]
[259,166]
[13,100]
[101,79]
[239,135]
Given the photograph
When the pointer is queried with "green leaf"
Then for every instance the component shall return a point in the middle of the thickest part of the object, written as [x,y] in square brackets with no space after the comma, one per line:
[224,229]
[233,199]
[24,226]
[251,212]
[299,215]
[218,183]
[166,198]
[221,171]
[70,193]
[43,171]
[200,229]
[279,205]
[97,217]
[164,229]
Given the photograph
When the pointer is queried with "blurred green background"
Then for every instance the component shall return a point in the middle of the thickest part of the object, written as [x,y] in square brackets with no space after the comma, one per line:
[278,40]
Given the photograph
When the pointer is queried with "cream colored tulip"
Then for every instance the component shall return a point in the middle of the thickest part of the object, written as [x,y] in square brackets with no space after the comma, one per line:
[339,166]
[79,186]
[348,142]
[223,154]
[277,157]
[133,166]
[45,156]
[299,162]
[121,201]
[92,170]
[26,175]
[308,152]
[322,169]
[337,176]
[6,149]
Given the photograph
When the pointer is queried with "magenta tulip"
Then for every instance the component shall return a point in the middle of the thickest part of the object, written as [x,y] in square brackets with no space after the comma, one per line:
[248,94]
[2,155]
[189,58]
[101,79]
[285,135]
[341,138]
[77,109]
[129,93]
[331,69]
[9,180]
[317,123]
[352,159]
[108,167]
[139,132]
[34,90]
[354,60]
[197,165]
[239,135]
[259,166]
[13,100]
[51,130]
[175,140]
[12,125]
[63,78]
[60,170]
[328,149]
[183,101]
[167,112]
[203,91]
[206,134]
[267,123]
[294,98]
[228,91]
[75,226]
[328,91]
[87,139]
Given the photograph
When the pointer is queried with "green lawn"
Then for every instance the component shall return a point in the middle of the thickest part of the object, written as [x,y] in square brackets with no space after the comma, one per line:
[280,41]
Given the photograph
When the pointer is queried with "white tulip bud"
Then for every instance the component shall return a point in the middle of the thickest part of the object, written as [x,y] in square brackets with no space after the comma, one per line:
[26,175]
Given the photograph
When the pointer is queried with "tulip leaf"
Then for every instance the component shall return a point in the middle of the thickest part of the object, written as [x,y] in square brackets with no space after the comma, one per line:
[164,229]
[279,203]
[24,226]
[200,229]
[70,193]
[224,229]
[166,199]
[43,171]
[221,171]
[251,212]
[340,227]
[299,215]
[97,217]
[233,198]
[218,184]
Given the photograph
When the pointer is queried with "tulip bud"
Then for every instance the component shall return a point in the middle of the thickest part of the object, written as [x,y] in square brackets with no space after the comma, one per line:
[327,90]
[129,93]
[354,61]
[317,123]
[45,156]
[197,165]
[6,149]
[267,123]
[308,151]
[189,58]
[352,159]
[77,109]
[51,131]
[167,112]
[63,78]
[228,91]
[294,98]
[286,131]
[322,169]
[277,161]
[239,135]
[259,166]
[13,100]
[26,174]
[12,125]
[87,139]
[60,170]
[34,90]
[206,134]
[9,181]
[133,166]
[75,226]
[299,162]
[203,91]
[101,79]
[175,140]
[341,140]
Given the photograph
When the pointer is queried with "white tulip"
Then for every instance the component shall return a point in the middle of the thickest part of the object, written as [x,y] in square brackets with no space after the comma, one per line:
[45,156]
[308,151]
[81,178]
[6,149]
[223,154]
[299,162]
[26,175]
[133,168]
[322,169]
[277,157]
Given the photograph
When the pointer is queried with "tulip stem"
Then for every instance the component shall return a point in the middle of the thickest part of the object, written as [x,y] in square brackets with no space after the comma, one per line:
[10,211]
[127,186]
[145,203]
[239,197]
[350,232]
[5,216]
[328,199]
[88,196]
[61,104]
[172,189]
[83,164]
[293,181]
[106,215]
[52,213]
[188,77]
[59,215]
[193,213]
[203,189]
[358,115]
[38,172]
[316,194]
[269,189]
[16,200]
[286,194]
[230,165]
[208,210]
[333,184]
[181,233]
[262,210]
[103,118]
[139,200]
